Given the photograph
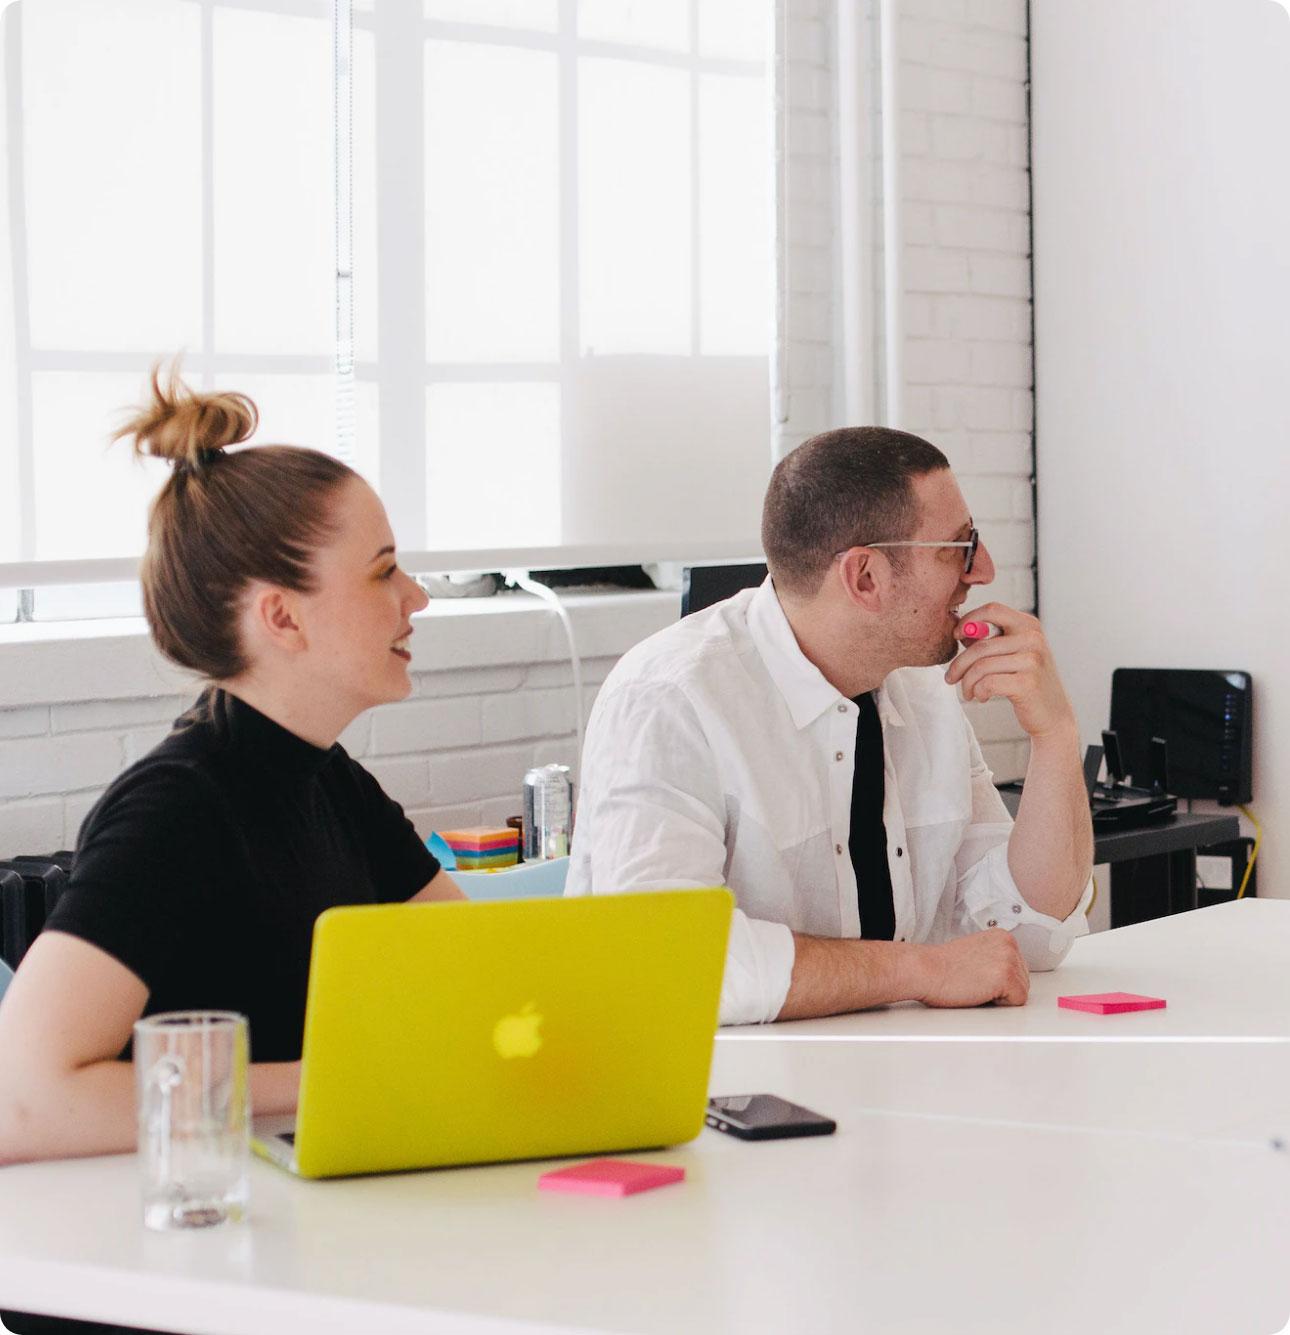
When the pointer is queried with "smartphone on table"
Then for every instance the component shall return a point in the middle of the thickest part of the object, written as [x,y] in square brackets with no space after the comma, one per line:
[765,1117]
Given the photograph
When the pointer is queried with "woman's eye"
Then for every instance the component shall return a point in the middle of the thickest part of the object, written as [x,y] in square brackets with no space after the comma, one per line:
[389,574]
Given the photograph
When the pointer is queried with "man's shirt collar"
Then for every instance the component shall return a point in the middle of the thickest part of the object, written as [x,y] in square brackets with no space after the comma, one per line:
[806,690]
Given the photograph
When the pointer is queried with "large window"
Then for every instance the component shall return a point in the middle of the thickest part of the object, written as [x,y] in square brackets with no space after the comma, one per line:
[560,247]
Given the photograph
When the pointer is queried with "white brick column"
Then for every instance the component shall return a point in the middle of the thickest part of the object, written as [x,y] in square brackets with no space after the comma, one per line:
[966,202]
[965,308]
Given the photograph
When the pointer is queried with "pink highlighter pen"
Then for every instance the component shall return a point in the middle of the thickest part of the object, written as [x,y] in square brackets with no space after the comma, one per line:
[979,630]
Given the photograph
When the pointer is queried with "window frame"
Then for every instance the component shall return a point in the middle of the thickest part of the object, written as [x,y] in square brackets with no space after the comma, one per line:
[402,376]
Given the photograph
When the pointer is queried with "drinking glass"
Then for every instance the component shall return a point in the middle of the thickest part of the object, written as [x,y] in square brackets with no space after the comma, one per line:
[191,1077]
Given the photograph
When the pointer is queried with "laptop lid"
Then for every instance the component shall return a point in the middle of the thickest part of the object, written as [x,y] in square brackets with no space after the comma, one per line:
[478,1032]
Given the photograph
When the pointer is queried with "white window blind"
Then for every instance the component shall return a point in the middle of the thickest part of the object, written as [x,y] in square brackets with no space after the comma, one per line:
[561,260]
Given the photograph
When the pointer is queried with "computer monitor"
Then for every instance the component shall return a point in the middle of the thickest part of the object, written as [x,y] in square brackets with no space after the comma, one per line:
[701,586]
[1204,715]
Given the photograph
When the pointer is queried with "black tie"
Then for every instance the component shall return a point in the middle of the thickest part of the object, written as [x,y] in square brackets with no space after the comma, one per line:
[868,839]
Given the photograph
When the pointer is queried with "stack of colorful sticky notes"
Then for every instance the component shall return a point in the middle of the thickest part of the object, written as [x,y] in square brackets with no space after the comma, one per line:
[483,848]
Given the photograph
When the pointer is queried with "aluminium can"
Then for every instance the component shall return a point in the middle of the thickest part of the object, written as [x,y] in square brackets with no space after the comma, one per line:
[548,813]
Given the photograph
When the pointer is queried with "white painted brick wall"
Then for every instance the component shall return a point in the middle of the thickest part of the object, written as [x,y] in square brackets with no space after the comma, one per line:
[454,753]
[966,305]
[491,702]
[40,766]
[24,722]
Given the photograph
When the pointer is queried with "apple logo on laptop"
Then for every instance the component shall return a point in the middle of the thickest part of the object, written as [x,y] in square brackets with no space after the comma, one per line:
[517,1035]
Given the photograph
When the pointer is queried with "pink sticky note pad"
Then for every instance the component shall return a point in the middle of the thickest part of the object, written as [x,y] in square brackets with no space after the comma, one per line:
[1112,1003]
[610,1177]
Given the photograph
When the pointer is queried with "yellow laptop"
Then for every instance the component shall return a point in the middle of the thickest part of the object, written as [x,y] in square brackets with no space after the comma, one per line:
[518,1029]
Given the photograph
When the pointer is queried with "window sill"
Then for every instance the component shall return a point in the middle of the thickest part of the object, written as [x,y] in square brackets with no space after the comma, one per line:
[61,662]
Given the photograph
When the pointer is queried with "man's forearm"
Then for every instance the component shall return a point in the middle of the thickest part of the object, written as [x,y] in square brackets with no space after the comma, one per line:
[1050,852]
[830,977]
[833,977]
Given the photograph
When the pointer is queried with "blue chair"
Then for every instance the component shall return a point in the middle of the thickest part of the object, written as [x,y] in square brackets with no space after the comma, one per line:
[530,880]
[6,976]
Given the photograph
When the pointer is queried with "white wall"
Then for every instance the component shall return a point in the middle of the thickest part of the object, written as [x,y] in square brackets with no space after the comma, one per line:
[491,699]
[1162,212]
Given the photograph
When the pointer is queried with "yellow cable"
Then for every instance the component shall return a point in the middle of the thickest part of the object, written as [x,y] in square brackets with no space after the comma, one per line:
[1092,901]
[1254,852]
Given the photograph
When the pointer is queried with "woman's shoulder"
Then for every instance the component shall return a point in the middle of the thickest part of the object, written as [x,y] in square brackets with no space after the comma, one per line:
[175,785]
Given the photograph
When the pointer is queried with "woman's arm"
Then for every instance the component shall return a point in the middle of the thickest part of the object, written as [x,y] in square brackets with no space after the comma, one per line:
[439,887]
[65,1018]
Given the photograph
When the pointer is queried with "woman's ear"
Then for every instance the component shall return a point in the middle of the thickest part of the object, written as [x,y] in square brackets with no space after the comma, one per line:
[272,619]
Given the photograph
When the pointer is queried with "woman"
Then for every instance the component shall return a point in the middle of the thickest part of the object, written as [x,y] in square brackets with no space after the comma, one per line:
[271,573]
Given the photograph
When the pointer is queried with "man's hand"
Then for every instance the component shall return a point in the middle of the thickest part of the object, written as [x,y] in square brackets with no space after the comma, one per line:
[1017,665]
[986,966]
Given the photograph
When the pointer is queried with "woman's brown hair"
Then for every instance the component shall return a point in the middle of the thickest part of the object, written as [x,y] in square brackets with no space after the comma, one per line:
[222,519]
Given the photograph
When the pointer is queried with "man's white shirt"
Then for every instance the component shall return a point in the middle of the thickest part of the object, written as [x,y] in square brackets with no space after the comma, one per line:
[718,754]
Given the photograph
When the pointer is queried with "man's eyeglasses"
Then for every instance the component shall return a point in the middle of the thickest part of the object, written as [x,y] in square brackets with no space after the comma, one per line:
[969,554]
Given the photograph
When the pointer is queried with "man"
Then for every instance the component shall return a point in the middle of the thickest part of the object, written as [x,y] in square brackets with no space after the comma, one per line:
[803,743]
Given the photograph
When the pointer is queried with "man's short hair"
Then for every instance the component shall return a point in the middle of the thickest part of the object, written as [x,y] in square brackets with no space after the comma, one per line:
[841,489]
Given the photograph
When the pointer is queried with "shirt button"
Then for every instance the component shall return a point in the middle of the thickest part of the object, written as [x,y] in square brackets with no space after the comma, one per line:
[837,848]
[837,755]
[900,852]
[992,923]
[1016,908]
[842,709]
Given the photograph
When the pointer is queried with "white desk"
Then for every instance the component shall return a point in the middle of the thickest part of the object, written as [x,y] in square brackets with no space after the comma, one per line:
[970,1188]
[1224,971]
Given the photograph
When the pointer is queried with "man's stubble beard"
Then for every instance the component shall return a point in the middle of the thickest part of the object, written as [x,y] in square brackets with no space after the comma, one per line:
[915,650]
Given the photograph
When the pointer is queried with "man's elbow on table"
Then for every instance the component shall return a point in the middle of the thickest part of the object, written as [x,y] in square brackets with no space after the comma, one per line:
[1044,945]
[1041,948]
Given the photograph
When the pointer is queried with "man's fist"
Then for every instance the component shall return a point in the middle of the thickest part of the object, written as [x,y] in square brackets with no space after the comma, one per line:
[983,967]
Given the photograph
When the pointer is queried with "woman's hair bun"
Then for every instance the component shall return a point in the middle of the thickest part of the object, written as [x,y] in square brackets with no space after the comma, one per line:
[187,427]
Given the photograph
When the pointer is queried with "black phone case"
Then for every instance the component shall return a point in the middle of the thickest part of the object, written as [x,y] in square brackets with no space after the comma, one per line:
[718,1121]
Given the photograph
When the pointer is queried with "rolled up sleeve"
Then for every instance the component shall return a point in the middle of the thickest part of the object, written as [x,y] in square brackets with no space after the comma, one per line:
[652,817]
[987,896]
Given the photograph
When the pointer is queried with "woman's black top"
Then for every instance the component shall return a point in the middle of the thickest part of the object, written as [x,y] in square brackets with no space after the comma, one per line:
[203,867]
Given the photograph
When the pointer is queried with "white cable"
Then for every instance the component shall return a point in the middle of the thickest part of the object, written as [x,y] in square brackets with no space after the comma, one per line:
[521,579]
